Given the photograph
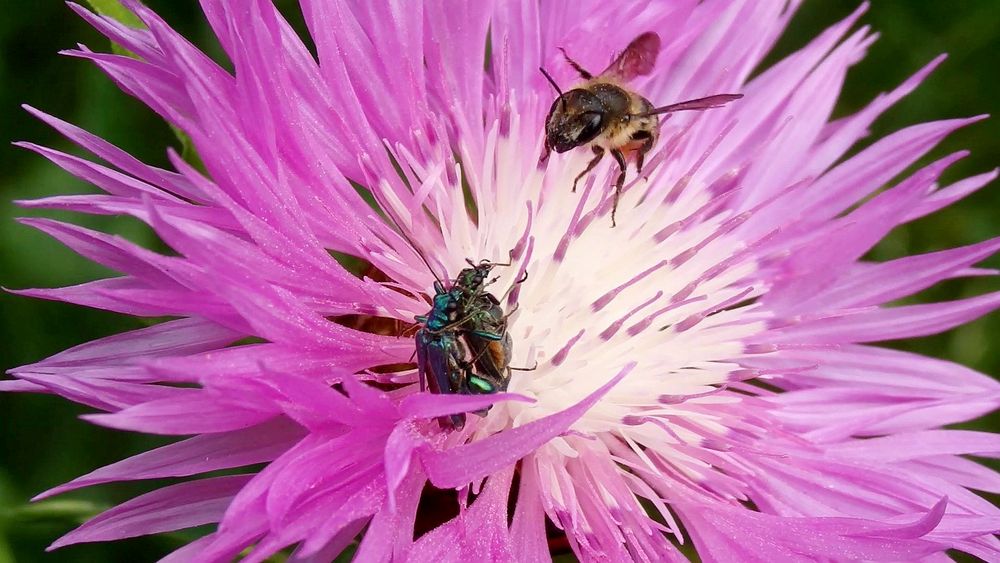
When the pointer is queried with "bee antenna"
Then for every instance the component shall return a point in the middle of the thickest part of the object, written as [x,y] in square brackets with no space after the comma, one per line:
[551,80]
[554,85]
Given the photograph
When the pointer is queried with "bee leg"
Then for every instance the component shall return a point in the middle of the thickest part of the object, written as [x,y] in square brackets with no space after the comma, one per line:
[576,66]
[640,155]
[598,155]
[545,154]
[619,183]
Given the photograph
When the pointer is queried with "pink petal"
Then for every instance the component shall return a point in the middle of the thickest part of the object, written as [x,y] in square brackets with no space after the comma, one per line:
[527,531]
[20,386]
[200,454]
[914,445]
[195,413]
[171,508]
[463,464]
[891,323]
[731,534]
[427,405]
[170,338]
[479,532]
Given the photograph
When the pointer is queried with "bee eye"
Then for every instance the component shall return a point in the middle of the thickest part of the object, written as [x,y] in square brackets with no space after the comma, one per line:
[592,126]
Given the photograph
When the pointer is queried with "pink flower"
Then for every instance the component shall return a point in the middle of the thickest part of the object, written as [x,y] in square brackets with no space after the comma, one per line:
[704,371]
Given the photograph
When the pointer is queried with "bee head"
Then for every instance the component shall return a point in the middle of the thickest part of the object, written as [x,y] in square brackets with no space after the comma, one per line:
[576,118]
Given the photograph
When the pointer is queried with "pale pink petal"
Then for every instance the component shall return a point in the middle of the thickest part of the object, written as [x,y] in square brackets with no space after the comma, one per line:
[171,508]
[208,452]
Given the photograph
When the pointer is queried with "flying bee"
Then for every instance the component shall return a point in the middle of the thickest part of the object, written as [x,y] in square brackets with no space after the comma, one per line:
[605,115]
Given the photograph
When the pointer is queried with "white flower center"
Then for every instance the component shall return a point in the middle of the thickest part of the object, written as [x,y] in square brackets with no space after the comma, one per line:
[658,290]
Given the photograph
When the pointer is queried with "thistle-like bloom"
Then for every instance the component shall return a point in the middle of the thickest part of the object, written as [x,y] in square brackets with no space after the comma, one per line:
[705,372]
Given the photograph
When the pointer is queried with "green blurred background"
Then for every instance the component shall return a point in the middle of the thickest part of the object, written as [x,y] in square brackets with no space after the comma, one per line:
[42,443]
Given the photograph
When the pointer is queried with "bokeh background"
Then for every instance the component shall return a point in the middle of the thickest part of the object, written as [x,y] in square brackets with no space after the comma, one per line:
[43,443]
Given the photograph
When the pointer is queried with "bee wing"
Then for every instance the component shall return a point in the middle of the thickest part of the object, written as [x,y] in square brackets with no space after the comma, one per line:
[638,59]
[716,101]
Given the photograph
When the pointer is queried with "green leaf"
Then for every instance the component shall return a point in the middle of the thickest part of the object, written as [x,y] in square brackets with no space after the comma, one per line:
[188,153]
[280,557]
[114,9]
[76,510]
[348,554]
[6,555]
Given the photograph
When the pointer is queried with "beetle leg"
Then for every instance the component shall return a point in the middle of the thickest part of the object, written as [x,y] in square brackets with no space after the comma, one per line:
[515,284]
[511,312]
[421,353]
[598,155]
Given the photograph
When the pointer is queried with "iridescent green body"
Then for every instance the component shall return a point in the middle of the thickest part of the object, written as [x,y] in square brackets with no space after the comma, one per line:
[463,346]
[489,342]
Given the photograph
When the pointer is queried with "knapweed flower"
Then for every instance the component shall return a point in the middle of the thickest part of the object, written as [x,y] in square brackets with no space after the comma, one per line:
[703,372]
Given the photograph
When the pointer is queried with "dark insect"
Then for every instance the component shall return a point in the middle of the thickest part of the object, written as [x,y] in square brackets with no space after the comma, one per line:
[463,346]
[486,333]
[605,115]
[441,356]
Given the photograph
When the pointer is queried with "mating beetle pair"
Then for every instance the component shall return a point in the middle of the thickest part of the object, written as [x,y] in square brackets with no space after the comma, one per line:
[463,346]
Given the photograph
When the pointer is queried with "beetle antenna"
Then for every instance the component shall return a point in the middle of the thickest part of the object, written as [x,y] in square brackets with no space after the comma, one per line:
[416,249]
[399,229]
